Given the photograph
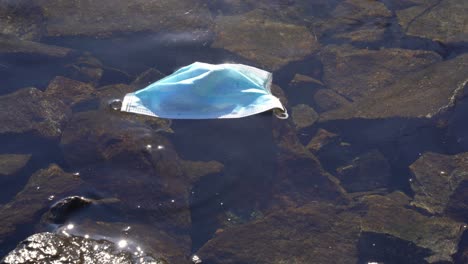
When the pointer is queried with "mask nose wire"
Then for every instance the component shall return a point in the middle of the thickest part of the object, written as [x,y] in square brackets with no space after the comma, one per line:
[281,114]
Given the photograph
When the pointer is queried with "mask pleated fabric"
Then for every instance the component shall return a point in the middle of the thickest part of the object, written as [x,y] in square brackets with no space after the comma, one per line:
[206,91]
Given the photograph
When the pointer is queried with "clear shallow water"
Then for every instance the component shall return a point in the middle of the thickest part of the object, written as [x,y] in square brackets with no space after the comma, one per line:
[346,187]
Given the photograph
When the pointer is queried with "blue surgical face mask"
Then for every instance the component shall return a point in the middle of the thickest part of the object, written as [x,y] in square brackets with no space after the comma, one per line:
[206,91]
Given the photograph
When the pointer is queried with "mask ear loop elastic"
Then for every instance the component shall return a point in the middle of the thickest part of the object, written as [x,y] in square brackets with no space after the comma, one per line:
[280,114]
[115,104]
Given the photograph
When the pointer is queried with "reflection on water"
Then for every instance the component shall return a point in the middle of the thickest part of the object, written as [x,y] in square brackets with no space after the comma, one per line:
[371,166]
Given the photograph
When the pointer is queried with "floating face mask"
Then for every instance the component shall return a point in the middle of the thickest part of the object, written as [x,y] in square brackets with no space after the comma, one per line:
[206,91]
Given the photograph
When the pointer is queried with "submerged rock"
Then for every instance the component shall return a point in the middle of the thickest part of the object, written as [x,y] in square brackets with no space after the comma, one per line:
[146,78]
[12,45]
[108,17]
[402,4]
[108,93]
[268,43]
[379,248]
[327,100]
[351,20]
[138,237]
[114,91]
[43,186]
[321,139]
[69,91]
[197,169]
[314,233]
[104,135]
[440,180]
[230,7]
[279,92]
[62,249]
[418,94]
[63,209]
[443,21]
[12,163]
[75,207]
[389,215]
[86,69]
[366,172]
[332,151]
[317,232]
[462,255]
[356,21]
[132,160]
[300,178]
[304,82]
[304,116]
[357,73]
[457,207]
[301,88]
[22,19]
[30,110]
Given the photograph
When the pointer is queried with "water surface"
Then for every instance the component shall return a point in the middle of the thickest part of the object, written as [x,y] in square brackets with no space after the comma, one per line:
[371,166]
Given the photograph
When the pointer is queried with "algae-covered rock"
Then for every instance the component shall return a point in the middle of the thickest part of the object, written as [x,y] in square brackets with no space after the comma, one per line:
[314,233]
[389,215]
[321,139]
[351,20]
[423,93]
[66,249]
[356,73]
[69,91]
[436,182]
[108,93]
[301,81]
[21,18]
[13,45]
[137,164]
[86,68]
[443,21]
[146,78]
[198,169]
[382,248]
[231,7]
[304,116]
[317,231]
[140,167]
[12,163]
[402,4]
[301,88]
[300,178]
[278,92]
[30,110]
[128,142]
[305,8]
[43,185]
[327,100]
[464,256]
[149,238]
[64,208]
[366,172]
[107,135]
[268,43]
[113,91]
[356,21]
[108,17]
[457,207]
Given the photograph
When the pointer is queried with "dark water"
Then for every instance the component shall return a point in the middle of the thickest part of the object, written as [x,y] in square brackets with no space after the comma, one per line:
[360,183]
